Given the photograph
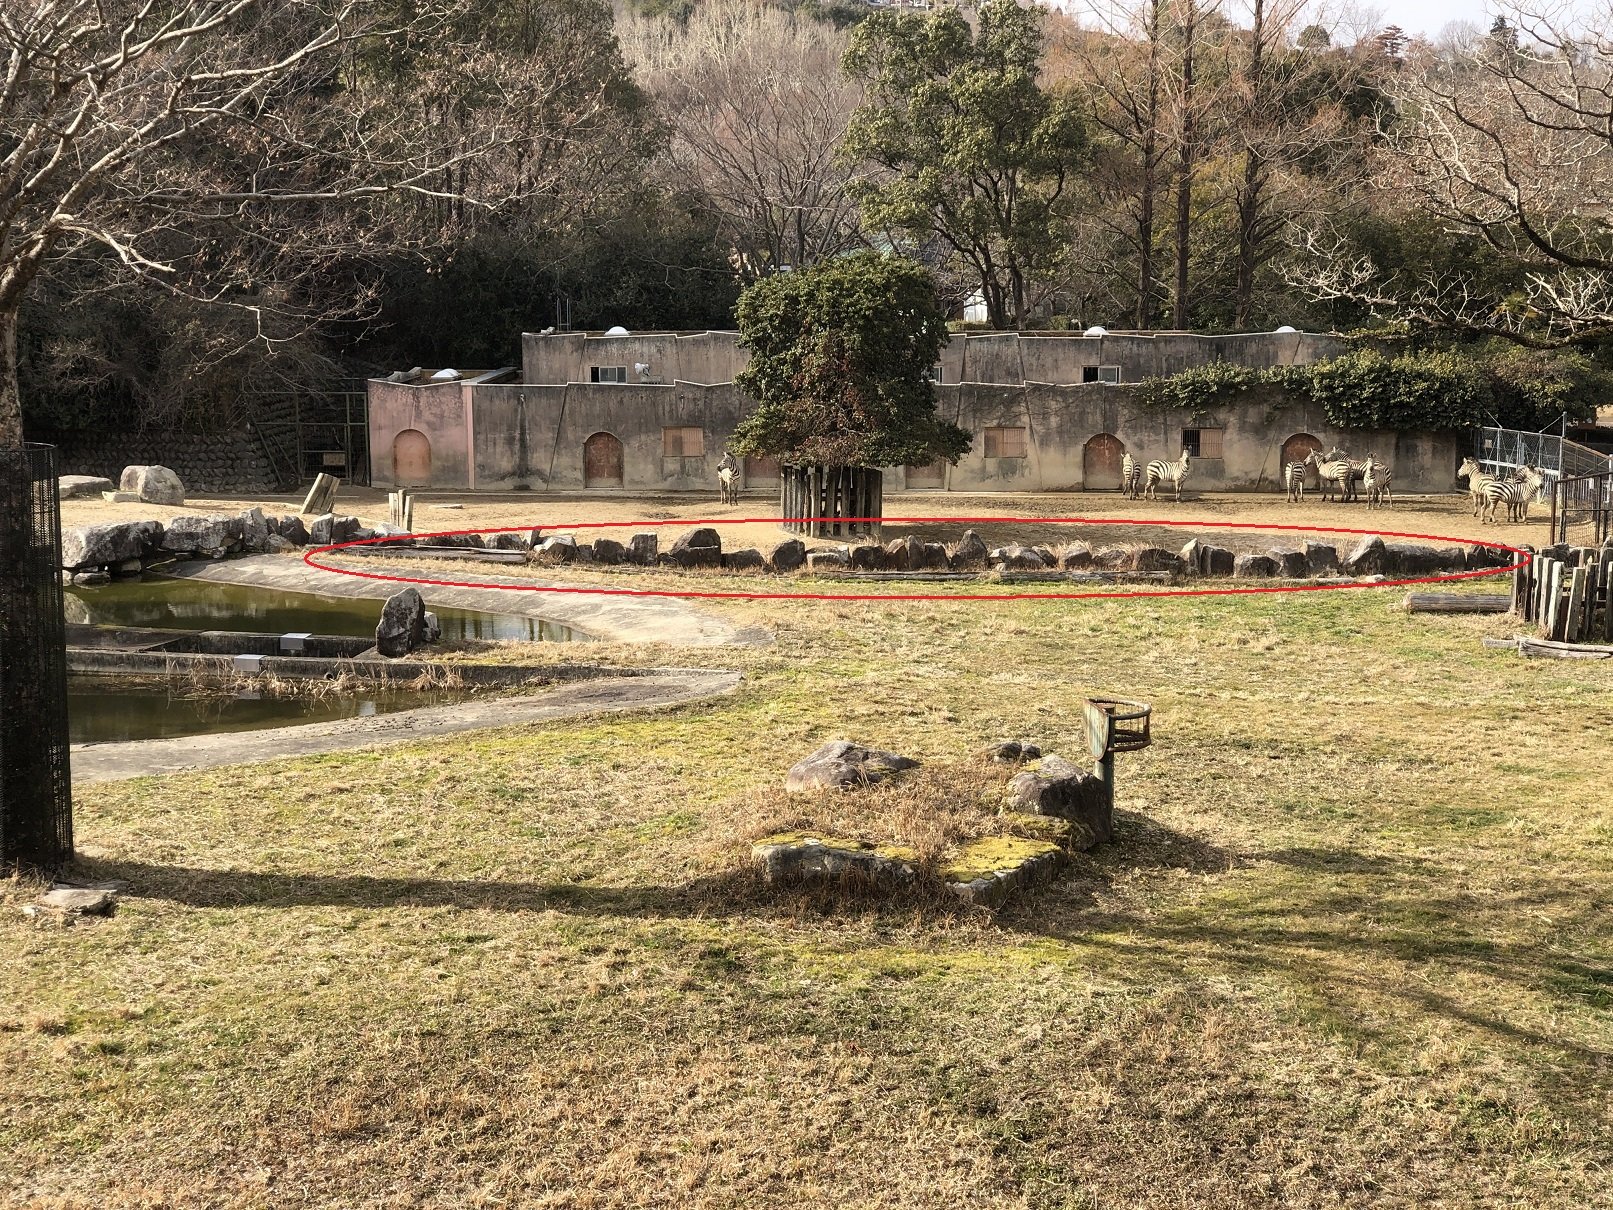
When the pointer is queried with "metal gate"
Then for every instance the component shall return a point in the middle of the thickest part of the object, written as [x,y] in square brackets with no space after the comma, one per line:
[1503,451]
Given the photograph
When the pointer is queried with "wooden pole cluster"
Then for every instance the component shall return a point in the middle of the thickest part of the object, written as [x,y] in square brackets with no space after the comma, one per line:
[321,496]
[400,509]
[821,501]
[1567,592]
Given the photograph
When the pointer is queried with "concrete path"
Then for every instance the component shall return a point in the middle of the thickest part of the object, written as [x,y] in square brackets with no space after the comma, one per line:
[666,687]
[613,619]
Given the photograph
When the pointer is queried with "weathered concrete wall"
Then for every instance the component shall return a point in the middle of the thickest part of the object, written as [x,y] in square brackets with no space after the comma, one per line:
[534,436]
[1001,358]
[440,411]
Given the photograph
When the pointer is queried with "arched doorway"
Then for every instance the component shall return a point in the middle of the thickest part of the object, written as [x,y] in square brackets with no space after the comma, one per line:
[1296,449]
[411,459]
[602,461]
[1100,463]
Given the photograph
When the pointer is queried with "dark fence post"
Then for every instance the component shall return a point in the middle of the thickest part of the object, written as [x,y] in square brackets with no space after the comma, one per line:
[36,791]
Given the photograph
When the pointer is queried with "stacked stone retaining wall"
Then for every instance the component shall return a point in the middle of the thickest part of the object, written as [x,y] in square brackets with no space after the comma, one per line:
[231,462]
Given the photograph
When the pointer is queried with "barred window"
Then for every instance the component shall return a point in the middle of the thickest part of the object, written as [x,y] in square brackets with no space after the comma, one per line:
[1006,442]
[1202,443]
[683,442]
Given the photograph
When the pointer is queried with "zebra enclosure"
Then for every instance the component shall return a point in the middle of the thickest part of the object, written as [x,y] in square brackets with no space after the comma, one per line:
[1567,592]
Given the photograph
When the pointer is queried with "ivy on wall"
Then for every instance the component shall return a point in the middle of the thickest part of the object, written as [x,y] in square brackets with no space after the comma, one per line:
[1425,389]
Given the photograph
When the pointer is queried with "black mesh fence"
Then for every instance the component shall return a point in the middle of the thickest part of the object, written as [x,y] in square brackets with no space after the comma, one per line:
[36,794]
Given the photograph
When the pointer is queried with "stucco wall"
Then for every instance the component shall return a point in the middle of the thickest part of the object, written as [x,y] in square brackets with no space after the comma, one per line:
[438,410]
[1002,358]
[534,436]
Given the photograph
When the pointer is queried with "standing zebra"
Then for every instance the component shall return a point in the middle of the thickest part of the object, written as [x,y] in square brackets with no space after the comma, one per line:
[1476,479]
[1515,492]
[1130,476]
[1375,478]
[1294,480]
[1331,473]
[728,479]
[1357,475]
[1159,470]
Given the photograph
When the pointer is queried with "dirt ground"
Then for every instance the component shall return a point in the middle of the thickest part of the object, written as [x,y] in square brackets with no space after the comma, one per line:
[1444,516]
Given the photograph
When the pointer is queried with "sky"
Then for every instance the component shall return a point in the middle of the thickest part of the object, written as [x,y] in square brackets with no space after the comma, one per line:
[1430,16]
[1427,18]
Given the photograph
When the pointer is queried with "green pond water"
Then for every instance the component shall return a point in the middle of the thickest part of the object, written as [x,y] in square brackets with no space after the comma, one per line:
[176,604]
[107,710]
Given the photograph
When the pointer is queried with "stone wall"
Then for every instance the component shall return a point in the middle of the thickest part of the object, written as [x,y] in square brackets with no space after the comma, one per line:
[224,463]
[998,358]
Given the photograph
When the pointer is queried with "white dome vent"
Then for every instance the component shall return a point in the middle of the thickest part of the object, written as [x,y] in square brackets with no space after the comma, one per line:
[1096,330]
[617,330]
[445,376]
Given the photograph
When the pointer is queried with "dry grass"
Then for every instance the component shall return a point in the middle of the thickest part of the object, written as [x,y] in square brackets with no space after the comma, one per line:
[1350,947]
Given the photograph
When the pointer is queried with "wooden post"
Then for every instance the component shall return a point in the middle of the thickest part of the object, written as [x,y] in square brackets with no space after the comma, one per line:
[1520,588]
[1551,615]
[1576,604]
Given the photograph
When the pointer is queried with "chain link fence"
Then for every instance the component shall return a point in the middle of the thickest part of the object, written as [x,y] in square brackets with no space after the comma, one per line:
[1502,452]
[1582,509]
[36,792]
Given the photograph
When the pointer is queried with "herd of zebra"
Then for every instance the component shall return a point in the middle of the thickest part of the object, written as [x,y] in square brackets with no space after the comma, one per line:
[1342,477]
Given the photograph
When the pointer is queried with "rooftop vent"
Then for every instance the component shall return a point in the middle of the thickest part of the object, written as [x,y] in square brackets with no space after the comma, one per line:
[1287,328]
[445,376]
[618,330]
[1096,330]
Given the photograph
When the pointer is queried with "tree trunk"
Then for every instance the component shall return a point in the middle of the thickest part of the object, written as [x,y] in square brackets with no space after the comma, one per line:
[10,398]
[822,501]
[1185,164]
[1145,243]
[1248,237]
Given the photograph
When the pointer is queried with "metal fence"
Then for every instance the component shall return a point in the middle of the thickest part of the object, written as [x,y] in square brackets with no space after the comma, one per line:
[1582,509]
[1502,451]
[36,792]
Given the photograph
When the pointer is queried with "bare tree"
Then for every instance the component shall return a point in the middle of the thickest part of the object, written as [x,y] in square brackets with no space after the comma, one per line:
[1511,142]
[757,106]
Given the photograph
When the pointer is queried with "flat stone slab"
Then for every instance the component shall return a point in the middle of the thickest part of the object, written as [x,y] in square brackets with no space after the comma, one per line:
[807,857]
[140,758]
[840,765]
[78,901]
[990,871]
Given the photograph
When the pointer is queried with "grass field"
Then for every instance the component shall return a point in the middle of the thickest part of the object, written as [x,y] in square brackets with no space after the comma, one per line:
[1353,944]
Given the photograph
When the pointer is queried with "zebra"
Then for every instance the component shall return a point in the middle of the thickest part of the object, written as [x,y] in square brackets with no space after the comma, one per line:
[1476,479]
[1375,478]
[1357,476]
[1330,472]
[728,479]
[1160,470]
[1130,476]
[1516,492]
[1294,479]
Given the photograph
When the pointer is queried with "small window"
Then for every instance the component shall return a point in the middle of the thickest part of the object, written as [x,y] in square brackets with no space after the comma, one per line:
[683,442]
[1006,443]
[1202,443]
[937,374]
[607,373]
[1089,373]
[1109,375]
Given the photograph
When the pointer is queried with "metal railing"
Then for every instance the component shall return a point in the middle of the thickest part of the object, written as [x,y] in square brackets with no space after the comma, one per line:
[1583,500]
[1503,451]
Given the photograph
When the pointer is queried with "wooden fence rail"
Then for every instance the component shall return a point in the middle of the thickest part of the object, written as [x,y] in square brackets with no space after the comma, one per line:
[1567,592]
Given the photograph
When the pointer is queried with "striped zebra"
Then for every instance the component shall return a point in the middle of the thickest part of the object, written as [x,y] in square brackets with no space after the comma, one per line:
[1358,472]
[1130,476]
[1375,479]
[1331,473]
[1294,481]
[1160,470]
[1516,493]
[1476,479]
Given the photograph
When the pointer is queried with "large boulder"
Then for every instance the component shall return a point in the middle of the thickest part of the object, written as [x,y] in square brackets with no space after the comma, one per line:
[868,557]
[1058,788]
[748,559]
[293,530]
[402,627]
[1076,556]
[1254,567]
[1112,558]
[839,765]
[833,558]
[201,535]
[1291,562]
[697,548]
[254,528]
[153,484]
[1322,558]
[1157,558]
[505,541]
[321,531]
[970,552]
[559,548]
[1415,559]
[897,556]
[1017,558]
[643,549]
[1366,559]
[108,544]
[70,487]
[788,555]
[609,551]
[932,557]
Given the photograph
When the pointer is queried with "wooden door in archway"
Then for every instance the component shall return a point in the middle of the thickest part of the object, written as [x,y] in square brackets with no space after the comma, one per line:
[602,461]
[1296,449]
[1100,463]
[411,459]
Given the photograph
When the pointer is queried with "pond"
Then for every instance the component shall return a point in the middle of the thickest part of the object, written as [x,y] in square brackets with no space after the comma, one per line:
[177,604]
[104,709]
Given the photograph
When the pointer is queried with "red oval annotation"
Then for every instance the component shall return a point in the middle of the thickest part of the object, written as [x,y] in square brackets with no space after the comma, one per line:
[713,594]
